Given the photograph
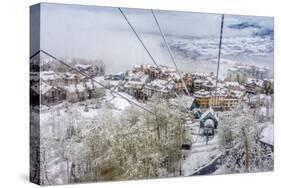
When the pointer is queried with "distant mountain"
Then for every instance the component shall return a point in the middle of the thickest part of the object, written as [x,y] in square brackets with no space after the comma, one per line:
[259,30]
[232,46]
[244,25]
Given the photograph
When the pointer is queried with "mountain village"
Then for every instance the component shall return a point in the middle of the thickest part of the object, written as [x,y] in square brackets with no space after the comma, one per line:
[144,81]
[153,120]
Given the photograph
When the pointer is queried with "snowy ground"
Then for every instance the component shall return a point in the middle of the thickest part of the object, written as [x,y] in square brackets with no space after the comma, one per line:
[54,121]
[201,154]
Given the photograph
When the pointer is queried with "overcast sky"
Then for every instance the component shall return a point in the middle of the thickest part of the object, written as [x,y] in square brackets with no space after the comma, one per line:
[102,33]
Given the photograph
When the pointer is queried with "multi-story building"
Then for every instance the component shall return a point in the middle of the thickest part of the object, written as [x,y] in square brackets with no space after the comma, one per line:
[164,73]
[59,86]
[241,73]
[220,98]
[198,84]
[230,102]
[254,86]
[162,88]
[202,98]
[234,86]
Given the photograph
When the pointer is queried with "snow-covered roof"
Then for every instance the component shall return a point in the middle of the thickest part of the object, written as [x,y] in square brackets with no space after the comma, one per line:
[137,66]
[209,111]
[267,135]
[75,87]
[200,74]
[175,76]
[255,81]
[49,75]
[236,94]
[147,66]
[232,84]
[198,81]
[133,84]
[139,76]
[166,69]
[268,79]
[83,66]
[160,85]
[69,75]
[209,84]
[219,92]
[202,93]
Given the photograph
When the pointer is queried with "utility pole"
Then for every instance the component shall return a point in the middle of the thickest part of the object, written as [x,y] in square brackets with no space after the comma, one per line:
[219,55]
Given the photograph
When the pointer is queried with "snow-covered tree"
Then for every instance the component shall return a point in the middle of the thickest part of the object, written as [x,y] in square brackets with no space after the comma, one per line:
[239,140]
[137,144]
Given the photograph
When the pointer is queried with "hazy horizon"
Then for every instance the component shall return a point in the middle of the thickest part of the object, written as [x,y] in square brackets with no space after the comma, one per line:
[94,32]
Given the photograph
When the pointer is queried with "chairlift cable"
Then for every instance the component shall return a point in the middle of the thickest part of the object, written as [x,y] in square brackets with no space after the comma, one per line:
[169,50]
[138,37]
[35,54]
[86,75]
[142,43]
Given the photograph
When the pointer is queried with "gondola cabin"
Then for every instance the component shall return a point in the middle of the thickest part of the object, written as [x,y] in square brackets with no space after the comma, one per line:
[209,119]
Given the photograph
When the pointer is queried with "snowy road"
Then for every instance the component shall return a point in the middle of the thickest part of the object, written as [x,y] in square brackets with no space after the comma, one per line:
[201,154]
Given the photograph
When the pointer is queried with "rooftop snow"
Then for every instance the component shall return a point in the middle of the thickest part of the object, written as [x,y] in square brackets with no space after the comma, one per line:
[83,66]
[48,75]
[212,112]
[232,84]
[267,135]
[160,85]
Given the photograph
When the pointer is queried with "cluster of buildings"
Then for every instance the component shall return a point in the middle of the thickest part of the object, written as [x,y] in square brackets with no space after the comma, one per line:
[220,98]
[55,87]
[257,86]
[255,79]
[144,81]
[218,95]
[241,73]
